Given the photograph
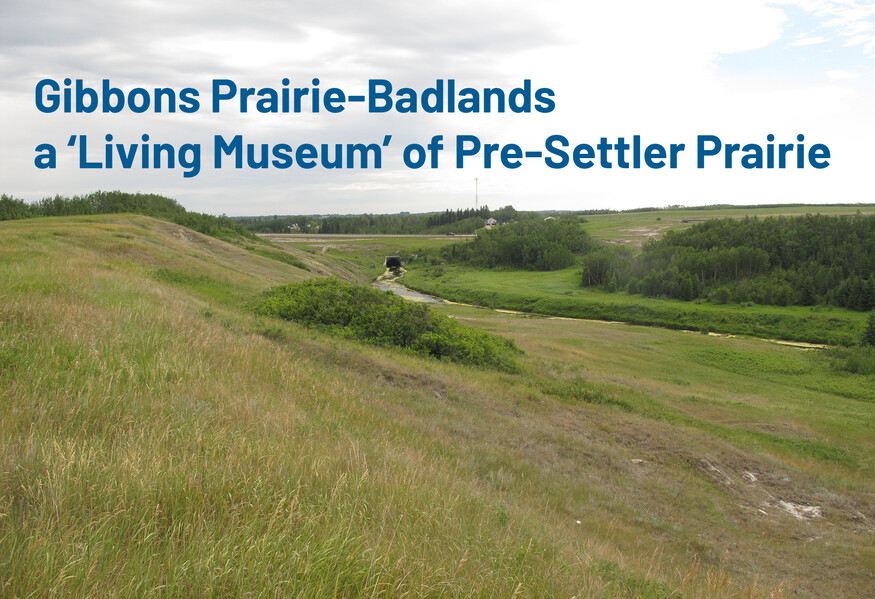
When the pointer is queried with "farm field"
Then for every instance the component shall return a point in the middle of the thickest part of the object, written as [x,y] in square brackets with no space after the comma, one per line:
[633,228]
[161,439]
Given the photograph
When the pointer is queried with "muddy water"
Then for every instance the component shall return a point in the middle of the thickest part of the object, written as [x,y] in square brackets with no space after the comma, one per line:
[387,282]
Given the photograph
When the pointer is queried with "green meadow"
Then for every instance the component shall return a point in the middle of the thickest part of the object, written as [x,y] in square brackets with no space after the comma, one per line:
[559,293]
[162,438]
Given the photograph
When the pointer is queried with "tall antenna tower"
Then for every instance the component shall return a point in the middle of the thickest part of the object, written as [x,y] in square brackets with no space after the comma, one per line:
[476,193]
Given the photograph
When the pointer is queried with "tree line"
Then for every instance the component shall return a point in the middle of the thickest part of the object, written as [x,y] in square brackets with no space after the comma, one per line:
[462,221]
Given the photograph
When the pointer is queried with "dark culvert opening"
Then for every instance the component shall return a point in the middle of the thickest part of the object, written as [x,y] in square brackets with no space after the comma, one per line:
[393,262]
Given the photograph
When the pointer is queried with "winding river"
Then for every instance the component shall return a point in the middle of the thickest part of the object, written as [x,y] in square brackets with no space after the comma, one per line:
[388,282]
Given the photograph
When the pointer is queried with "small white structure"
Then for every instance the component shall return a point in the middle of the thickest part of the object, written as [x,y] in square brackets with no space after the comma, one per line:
[491,222]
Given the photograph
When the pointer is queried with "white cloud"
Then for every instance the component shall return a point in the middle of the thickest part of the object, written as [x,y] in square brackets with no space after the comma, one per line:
[618,69]
[854,19]
[839,75]
[809,41]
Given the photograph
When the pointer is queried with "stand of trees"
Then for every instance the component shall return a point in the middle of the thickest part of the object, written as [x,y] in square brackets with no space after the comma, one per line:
[806,260]
[532,244]
[448,217]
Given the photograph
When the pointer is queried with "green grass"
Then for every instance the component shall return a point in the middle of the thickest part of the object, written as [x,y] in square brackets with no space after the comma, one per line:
[694,395]
[280,255]
[158,439]
[558,293]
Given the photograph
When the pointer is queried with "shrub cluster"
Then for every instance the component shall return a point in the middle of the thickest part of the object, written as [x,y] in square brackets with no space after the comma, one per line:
[856,360]
[382,318]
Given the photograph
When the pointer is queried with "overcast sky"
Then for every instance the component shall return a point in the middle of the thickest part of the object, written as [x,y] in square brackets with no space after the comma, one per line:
[667,71]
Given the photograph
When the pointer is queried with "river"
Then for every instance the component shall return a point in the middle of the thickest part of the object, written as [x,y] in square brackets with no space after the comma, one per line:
[387,282]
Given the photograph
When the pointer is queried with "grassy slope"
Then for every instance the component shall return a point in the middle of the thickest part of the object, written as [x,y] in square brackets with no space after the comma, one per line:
[159,440]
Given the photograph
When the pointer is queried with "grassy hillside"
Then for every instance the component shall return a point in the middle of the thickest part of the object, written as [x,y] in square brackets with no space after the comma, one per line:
[161,439]
[120,202]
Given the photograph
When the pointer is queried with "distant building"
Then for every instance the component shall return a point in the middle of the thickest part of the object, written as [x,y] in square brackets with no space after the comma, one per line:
[550,218]
[491,222]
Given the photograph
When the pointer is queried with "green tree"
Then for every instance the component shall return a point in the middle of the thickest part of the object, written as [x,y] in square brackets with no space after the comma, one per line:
[869,333]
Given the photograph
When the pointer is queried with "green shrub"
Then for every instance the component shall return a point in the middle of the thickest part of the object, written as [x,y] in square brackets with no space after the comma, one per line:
[856,360]
[382,318]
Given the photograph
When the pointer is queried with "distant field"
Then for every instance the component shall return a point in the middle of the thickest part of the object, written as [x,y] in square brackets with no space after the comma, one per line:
[633,228]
